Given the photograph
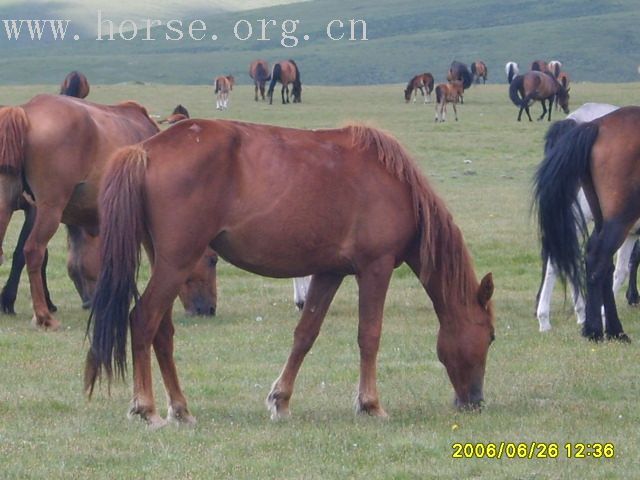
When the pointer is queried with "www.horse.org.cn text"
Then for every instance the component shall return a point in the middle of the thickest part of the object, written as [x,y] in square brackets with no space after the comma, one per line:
[287,31]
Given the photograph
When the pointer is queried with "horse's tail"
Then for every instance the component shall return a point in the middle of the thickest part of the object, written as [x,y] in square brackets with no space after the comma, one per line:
[430,83]
[276,73]
[297,82]
[535,66]
[467,79]
[556,183]
[473,68]
[511,73]
[14,127]
[72,87]
[514,88]
[557,131]
[556,69]
[439,93]
[262,74]
[218,85]
[121,228]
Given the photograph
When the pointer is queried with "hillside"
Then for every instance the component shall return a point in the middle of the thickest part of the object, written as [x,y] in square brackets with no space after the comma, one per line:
[596,40]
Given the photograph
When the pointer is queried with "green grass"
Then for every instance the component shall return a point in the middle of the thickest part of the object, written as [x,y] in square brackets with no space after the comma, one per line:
[596,40]
[552,387]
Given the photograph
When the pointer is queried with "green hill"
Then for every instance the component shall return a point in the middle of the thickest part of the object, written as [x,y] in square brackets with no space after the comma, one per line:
[596,41]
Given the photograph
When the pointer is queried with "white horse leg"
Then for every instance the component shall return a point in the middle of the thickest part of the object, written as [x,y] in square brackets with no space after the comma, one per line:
[544,304]
[622,263]
[300,290]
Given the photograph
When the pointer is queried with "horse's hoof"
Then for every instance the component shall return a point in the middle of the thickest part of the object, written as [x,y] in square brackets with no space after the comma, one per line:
[156,422]
[52,308]
[47,322]
[299,306]
[593,336]
[620,337]
[181,416]
[372,410]
[278,407]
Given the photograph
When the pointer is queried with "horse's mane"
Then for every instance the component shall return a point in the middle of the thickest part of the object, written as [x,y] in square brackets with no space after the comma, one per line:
[442,246]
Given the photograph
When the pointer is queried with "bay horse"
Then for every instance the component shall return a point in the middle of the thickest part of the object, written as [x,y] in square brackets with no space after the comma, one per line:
[179,113]
[286,72]
[57,146]
[532,86]
[554,67]
[224,85]
[447,93]
[424,83]
[511,70]
[259,72]
[602,156]
[564,80]
[479,70]
[75,84]
[539,66]
[459,71]
[229,173]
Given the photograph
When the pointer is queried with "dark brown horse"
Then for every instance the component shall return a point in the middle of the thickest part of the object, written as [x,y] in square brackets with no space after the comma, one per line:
[459,71]
[355,188]
[179,113]
[539,66]
[58,145]
[286,72]
[533,86]
[479,71]
[259,72]
[602,156]
[447,93]
[75,84]
[424,83]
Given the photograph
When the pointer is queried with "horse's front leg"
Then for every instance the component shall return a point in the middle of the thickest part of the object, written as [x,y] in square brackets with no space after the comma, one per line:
[455,111]
[373,283]
[544,109]
[322,289]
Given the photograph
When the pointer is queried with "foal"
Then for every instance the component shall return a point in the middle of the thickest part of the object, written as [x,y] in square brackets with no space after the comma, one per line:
[447,93]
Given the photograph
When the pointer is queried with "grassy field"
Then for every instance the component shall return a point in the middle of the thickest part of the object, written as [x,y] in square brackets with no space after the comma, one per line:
[552,387]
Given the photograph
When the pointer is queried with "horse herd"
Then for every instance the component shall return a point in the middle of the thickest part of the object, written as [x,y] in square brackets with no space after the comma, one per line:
[64,160]
[546,82]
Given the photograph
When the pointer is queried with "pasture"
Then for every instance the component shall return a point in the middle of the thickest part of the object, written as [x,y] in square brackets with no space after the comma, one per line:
[553,387]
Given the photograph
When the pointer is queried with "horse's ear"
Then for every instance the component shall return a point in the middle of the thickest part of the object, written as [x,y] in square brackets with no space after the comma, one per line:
[485,290]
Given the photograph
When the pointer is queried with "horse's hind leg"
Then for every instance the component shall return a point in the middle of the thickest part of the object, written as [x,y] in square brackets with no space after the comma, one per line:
[632,291]
[544,296]
[455,112]
[622,262]
[321,292]
[373,283]
[256,91]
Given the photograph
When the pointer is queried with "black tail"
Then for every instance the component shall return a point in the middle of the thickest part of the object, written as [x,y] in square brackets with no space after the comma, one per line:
[473,68]
[467,78]
[514,88]
[275,78]
[430,84]
[556,183]
[180,110]
[121,228]
[73,86]
[262,75]
[439,93]
[218,87]
[511,74]
[535,66]
[557,131]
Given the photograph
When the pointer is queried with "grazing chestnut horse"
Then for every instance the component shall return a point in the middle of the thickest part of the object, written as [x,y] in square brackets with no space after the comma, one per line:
[479,70]
[511,70]
[602,156]
[459,71]
[532,86]
[286,72]
[233,193]
[259,72]
[58,145]
[539,66]
[224,85]
[424,83]
[179,113]
[447,93]
[554,67]
[75,84]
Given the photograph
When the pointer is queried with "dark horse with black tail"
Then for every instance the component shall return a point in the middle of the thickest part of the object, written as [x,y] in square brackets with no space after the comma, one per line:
[75,84]
[532,86]
[459,71]
[259,72]
[286,72]
[602,156]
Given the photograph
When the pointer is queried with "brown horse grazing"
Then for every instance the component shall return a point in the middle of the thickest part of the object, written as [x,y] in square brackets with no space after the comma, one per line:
[479,71]
[259,72]
[388,214]
[179,113]
[224,85]
[602,156]
[423,82]
[447,93]
[75,84]
[286,72]
[564,80]
[459,71]
[539,66]
[533,86]
[58,145]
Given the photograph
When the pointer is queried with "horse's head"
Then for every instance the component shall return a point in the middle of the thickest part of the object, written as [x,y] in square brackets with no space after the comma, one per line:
[463,345]
[296,91]
[407,94]
[199,294]
[562,98]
